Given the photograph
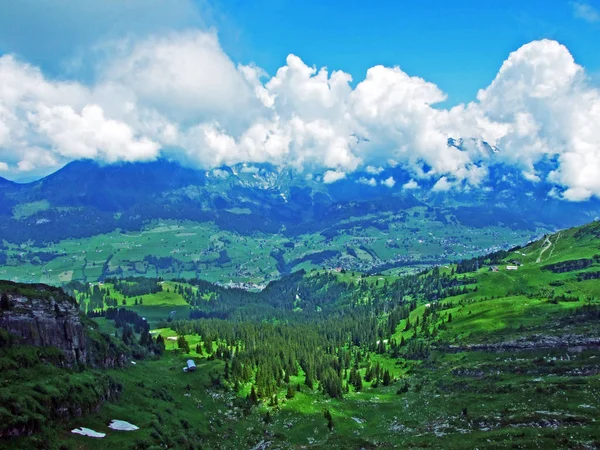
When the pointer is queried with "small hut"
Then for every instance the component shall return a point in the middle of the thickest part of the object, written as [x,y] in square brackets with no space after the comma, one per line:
[190,367]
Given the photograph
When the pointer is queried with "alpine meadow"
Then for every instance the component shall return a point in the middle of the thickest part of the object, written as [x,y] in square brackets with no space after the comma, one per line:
[299,225]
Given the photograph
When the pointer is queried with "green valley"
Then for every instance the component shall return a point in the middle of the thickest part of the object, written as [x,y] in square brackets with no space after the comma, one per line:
[175,249]
[497,351]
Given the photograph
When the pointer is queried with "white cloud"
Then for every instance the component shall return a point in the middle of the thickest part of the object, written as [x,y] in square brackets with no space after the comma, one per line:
[181,96]
[374,170]
[442,185]
[412,184]
[585,12]
[368,181]
[3,166]
[331,176]
[186,76]
[90,135]
[389,182]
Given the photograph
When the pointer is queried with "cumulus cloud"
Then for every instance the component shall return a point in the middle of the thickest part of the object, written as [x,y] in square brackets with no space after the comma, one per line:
[374,170]
[331,176]
[186,76]
[389,182]
[180,95]
[412,184]
[90,135]
[585,12]
[442,185]
[368,181]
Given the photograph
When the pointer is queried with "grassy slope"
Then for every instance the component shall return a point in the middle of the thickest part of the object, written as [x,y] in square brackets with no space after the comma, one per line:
[198,245]
[541,398]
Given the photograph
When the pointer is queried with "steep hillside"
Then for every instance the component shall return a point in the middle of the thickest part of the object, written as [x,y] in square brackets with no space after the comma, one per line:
[53,361]
[473,354]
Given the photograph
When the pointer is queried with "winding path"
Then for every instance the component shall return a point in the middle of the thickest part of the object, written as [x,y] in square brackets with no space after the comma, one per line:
[548,244]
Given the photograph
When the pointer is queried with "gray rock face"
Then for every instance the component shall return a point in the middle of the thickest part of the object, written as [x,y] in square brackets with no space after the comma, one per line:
[573,343]
[52,320]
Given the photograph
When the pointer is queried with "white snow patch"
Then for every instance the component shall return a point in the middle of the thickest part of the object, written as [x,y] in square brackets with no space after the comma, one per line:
[121,425]
[88,432]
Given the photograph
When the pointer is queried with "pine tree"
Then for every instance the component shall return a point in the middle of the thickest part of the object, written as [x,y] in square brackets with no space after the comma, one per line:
[358,385]
[226,371]
[183,344]
[4,302]
[329,418]
[309,381]
[290,393]
[253,397]
[387,379]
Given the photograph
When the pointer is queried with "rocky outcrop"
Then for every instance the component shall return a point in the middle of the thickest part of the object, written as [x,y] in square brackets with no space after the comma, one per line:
[65,409]
[44,316]
[570,342]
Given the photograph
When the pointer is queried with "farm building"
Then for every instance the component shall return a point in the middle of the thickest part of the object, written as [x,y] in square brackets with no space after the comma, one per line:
[190,367]
[512,267]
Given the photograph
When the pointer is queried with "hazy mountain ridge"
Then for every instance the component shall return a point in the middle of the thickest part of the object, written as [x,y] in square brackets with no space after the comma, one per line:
[282,195]
[282,218]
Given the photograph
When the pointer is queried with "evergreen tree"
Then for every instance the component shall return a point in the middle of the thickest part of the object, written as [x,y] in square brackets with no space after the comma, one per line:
[183,344]
[358,385]
[290,393]
[226,371]
[329,418]
[387,379]
[4,302]
[309,381]
[253,397]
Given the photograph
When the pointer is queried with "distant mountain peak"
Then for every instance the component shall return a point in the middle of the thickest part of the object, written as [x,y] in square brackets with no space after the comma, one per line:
[5,182]
[470,143]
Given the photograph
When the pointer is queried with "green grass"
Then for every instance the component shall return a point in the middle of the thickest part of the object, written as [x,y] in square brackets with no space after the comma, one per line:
[536,398]
[503,407]
[24,210]
[195,248]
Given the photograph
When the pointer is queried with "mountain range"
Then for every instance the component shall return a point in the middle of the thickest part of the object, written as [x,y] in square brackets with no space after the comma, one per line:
[369,220]
[274,196]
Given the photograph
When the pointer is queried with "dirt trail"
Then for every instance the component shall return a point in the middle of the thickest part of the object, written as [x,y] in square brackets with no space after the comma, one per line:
[548,244]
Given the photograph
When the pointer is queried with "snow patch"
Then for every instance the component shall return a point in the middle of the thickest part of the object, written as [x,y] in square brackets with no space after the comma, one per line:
[88,432]
[121,425]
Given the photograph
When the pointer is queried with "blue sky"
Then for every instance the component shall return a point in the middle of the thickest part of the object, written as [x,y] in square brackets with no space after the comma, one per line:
[459,45]
[325,87]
